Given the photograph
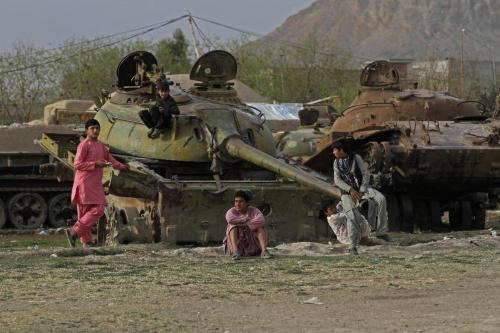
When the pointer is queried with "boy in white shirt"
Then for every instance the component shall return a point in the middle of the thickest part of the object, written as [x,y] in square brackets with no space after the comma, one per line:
[338,222]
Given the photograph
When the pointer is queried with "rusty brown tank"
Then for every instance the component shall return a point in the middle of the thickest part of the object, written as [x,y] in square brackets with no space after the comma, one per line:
[429,152]
[382,98]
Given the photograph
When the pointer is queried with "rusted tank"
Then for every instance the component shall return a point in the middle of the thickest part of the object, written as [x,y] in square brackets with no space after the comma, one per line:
[30,198]
[428,152]
[181,184]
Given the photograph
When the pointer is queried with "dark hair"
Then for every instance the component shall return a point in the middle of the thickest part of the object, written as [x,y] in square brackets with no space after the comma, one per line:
[341,144]
[91,122]
[245,194]
[328,204]
[163,85]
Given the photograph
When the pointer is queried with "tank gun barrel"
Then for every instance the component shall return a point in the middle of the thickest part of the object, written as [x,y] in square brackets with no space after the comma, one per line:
[237,148]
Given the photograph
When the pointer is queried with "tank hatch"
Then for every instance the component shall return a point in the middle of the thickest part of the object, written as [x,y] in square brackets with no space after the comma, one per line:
[379,74]
[133,68]
[213,70]
[215,67]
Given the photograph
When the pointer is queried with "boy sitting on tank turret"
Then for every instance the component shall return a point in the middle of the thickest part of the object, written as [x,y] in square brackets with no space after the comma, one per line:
[159,115]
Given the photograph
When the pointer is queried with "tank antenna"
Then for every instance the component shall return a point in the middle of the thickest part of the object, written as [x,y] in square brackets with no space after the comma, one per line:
[195,41]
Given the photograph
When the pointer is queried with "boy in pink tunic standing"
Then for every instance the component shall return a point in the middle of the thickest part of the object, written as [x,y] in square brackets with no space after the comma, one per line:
[88,194]
[245,233]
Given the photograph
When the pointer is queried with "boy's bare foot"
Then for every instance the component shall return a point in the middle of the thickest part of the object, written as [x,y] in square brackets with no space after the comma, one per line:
[265,254]
[236,255]
[155,133]
[89,244]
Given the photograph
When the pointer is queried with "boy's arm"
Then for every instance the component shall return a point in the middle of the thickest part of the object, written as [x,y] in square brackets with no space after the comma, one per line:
[116,164]
[235,219]
[173,108]
[81,155]
[257,219]
[337,219]
[169,106]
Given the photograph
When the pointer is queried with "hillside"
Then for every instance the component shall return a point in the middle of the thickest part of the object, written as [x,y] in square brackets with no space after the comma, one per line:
[423,29]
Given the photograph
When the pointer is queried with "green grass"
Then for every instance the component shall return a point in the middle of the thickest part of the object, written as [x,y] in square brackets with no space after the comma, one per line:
[27,242]
[130,287]
[214,277]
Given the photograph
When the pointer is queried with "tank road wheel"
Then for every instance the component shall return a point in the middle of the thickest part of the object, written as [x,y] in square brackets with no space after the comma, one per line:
[3,214]
[393,213]
[407,213]
[27,210]
[61,210]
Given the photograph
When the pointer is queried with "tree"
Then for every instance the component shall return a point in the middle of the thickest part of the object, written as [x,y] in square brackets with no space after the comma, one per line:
[24,92]
[84,76]
[172,53]
[295,72]
[78,70]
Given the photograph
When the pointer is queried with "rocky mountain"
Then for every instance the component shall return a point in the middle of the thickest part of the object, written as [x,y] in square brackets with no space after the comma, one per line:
[415,29]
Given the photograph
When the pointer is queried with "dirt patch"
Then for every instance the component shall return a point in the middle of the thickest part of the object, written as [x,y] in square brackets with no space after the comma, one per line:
[444,285]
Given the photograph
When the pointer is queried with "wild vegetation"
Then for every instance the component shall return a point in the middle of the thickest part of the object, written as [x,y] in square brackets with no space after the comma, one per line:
[31,77]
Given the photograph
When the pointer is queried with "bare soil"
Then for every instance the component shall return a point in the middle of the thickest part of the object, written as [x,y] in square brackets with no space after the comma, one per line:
[447,285]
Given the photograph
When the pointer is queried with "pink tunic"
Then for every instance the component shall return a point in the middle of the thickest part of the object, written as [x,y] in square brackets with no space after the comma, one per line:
[247,223]
[87,186]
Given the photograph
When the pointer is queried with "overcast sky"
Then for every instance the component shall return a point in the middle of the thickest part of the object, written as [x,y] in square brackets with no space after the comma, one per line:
[47,23]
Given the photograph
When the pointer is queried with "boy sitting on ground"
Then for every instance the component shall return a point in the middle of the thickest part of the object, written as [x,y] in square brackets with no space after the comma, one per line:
[338,222]
[245,233]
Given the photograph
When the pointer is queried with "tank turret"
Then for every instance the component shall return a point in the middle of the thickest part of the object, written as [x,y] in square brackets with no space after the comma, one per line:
[210,136]
[382,98]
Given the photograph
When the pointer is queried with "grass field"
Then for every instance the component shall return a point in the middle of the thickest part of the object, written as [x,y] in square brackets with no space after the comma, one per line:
[155,288]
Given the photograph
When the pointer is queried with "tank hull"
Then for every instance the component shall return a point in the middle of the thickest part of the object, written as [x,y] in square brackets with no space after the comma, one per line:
[193,212]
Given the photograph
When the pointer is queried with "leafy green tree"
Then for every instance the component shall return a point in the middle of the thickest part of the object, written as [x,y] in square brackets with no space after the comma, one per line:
[172,53]
[84,77]
[295,72]
[23,93]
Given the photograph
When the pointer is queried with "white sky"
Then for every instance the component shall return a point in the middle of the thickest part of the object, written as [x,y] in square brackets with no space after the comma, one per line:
[47,23]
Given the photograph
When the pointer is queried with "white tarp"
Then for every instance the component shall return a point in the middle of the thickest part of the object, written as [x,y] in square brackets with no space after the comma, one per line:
[284,111]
